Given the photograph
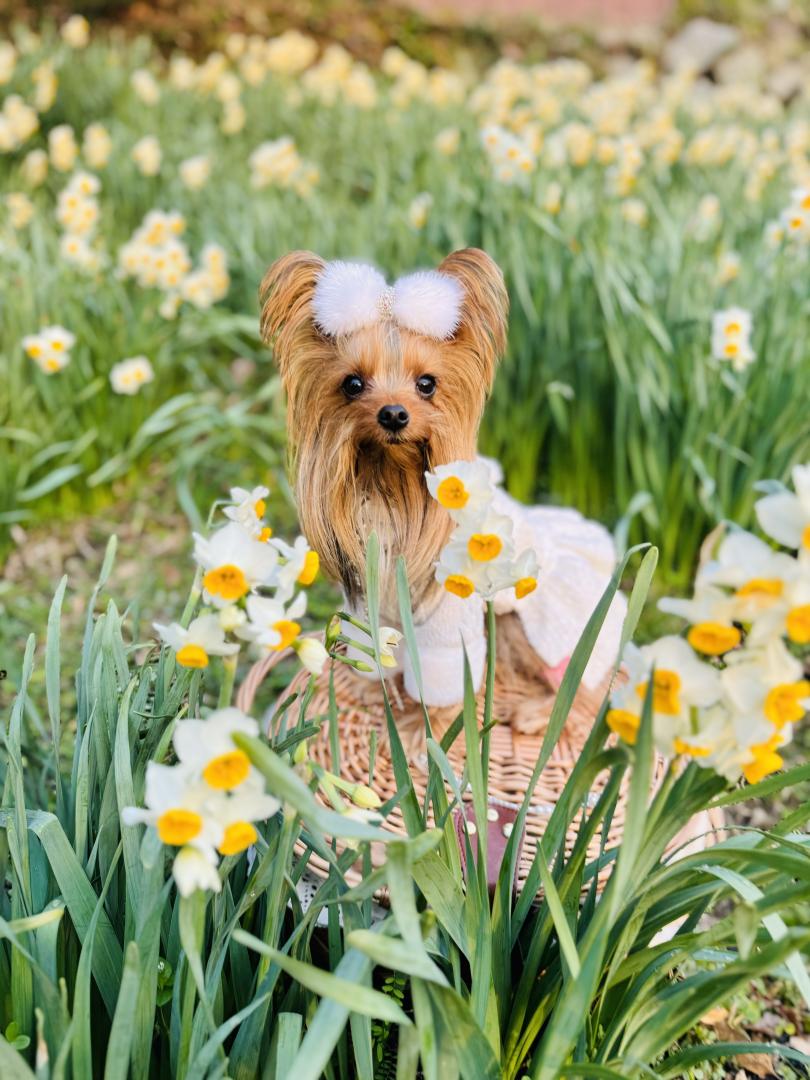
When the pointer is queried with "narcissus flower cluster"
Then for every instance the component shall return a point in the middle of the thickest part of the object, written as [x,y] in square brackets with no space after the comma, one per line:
[251,585]
[50,348]
[731,337]
[156,257]
[728,693]
[480,556]
[207,803]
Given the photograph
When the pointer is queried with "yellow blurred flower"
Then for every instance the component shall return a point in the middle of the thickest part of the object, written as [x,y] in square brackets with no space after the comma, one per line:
[75,32]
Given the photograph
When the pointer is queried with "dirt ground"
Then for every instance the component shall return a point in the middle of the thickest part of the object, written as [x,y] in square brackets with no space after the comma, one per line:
[572,12]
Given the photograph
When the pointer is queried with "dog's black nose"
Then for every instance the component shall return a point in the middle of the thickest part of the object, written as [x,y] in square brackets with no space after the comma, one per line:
[393,417]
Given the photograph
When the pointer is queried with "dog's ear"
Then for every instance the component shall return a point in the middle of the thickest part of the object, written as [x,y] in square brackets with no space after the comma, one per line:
[285,296]
[485,310]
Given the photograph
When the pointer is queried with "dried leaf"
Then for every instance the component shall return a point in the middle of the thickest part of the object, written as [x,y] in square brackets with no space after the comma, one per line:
[755,1064]
[715,1016]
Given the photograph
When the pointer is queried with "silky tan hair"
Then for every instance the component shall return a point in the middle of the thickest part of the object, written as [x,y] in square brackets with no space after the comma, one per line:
[350,475]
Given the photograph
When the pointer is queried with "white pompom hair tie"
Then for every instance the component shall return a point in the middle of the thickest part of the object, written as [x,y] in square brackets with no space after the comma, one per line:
[350,296]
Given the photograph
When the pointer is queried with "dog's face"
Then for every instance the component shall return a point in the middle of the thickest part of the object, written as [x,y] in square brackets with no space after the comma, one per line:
[369,411]
[384,388]
[392,392]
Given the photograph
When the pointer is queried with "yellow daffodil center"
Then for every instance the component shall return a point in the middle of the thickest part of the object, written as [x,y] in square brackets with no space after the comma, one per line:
[178,826]
[312,563]
[238,836]
[452,494]
[798,624]
[227,581]
[459,585]
[713,638]
[733,328]
[783,703]
[52,364]
[681,747]
[192,656]
[762,588]
[731,348]
[34,351]
[260,506]
[227,771]
[525,586]
[57,346]
[483,547]
[806,536]
[265,534]
[288,630]
[624,723]
[666,687]
[766,761]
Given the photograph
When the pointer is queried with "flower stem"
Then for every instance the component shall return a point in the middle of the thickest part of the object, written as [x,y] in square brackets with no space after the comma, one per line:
[228,676]
[193,599]
[490,692]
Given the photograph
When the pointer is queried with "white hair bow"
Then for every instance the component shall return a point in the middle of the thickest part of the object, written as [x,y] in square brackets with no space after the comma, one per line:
[349,296]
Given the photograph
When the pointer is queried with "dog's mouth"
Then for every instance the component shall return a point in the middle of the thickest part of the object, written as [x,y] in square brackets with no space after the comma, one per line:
[393,443]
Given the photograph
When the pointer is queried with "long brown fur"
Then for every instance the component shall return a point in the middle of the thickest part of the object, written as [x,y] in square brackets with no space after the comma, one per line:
[350,476]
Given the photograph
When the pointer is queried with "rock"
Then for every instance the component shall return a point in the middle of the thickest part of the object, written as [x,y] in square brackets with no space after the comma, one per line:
[699,45]
[746,64]
[788,80]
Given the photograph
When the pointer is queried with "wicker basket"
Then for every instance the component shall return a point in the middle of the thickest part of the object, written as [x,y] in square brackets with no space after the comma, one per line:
[512,756]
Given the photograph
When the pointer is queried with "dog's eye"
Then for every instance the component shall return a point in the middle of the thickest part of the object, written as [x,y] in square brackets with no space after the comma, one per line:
[353,386]
[426,385]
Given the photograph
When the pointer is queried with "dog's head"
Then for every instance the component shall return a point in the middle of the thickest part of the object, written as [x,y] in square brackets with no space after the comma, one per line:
[381,383]
[383,387]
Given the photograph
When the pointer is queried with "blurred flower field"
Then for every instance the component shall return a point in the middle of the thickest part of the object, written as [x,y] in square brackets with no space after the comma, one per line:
[143,197]
[188,890]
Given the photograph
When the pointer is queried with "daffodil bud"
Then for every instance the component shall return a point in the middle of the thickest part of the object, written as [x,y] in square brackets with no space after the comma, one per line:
[358,665]
[300,752]
[332,631]
[312,654]
[365,797]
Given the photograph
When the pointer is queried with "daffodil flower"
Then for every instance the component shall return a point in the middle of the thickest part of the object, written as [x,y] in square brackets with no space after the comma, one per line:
[785,516]
[711,613]
[463,576]
[206,748]
[248,508]
[524,573]
[768,683]
[234,563]
[680,683]
[176,806]
[756,573]
[389,640]
[236,813]
[762,759]
[462,487]
[196,870]
[271,623]
[57,339]
[788,617]
[300,567]
[204,638]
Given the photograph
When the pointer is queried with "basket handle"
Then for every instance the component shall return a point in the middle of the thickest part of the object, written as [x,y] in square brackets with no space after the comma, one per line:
[246,694]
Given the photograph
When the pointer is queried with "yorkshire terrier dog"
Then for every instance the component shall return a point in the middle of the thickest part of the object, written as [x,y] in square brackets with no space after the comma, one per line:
[384,384]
